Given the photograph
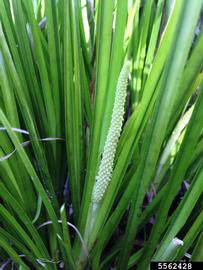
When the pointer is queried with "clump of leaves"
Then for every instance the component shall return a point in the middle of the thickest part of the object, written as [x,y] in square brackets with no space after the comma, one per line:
[91,179]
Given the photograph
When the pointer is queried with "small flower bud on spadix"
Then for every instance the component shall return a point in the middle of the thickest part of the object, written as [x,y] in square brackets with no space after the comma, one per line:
[106,166]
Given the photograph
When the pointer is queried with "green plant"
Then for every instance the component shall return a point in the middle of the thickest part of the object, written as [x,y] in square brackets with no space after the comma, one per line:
[60,62]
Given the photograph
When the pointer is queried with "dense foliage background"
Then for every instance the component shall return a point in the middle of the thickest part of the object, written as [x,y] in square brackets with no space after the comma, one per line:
[60,62]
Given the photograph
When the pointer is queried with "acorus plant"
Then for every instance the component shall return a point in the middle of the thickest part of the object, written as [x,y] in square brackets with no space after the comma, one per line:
[101,133]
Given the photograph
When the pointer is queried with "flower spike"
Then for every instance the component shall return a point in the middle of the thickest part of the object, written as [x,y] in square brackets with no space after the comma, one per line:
[106,166]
